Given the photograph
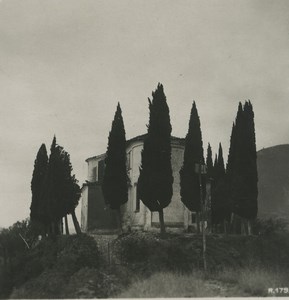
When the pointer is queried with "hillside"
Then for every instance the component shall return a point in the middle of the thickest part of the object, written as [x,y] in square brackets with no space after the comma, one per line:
[149,265]
[273,172]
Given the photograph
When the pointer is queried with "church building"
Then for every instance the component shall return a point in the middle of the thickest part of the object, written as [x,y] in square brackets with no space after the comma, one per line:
[95,216]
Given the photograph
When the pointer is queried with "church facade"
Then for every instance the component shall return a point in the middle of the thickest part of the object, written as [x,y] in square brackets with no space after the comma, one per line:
[95,216]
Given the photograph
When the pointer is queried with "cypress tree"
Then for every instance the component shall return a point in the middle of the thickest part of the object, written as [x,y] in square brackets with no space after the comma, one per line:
[70,191]
[115,180]
[193,154]
[248,200]
[221,207]
[242,166]
[209,163]
[209,175]
[53,186]
[213,202]
[156,179]
[59,191]
[230,166]
[220,167]
[215,166]
[238,163]
[37,215]
[234,180]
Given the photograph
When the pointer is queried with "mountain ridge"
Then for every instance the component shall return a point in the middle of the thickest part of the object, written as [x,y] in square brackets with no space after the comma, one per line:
[273,183]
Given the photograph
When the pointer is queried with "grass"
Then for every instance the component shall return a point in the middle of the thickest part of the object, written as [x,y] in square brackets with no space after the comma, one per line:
[92,283]
[253,281]
[169,284]
[257,281]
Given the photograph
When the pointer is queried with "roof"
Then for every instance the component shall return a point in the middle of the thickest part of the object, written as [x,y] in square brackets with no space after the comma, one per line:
[176,140]
[180,141]
[95,157]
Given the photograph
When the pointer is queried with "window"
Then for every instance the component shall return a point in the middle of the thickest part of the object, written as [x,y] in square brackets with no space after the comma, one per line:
[94,174]
[128,160]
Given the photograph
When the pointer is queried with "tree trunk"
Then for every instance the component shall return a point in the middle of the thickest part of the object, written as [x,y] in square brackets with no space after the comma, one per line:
[249,228]
[232,224]
[61,226]
[198,222]
[204,238]
[58,226]
[162,223]
[119,220]
[225,227]
[66,225]
[243,229]
[214,228]
[75,223]
[52,228]
[49,228]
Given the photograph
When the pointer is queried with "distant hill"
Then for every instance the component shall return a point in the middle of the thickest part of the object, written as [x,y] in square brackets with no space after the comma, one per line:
[273,172]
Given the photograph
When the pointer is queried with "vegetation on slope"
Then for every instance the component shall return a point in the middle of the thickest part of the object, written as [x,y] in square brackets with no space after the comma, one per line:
[150,265]
[47,266]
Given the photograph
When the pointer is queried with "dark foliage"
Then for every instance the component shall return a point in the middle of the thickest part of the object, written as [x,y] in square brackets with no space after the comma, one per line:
[220,167]
[189,179]
[37,215]
[146,253]
[75,252]
[15,244]
[156,179]
[53,205]
[250,204]
[115,181]
[47,264]
[221,208]
[270,226]
[232,152]
[209,163]
[242,164]
[61,191]
[69,190]
[92,283]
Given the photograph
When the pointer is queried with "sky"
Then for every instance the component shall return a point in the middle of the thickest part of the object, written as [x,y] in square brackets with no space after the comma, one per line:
[64,65]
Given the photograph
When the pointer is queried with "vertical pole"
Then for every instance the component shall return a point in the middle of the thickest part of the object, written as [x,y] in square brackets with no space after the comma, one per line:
[108,253]
[66,225]
[203,217]
[162,222]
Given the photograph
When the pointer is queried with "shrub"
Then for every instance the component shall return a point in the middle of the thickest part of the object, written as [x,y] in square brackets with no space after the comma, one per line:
[49,284]
[91,283]
[146,252]
[53,260]
[76,252]
[68,254]
[135,247]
